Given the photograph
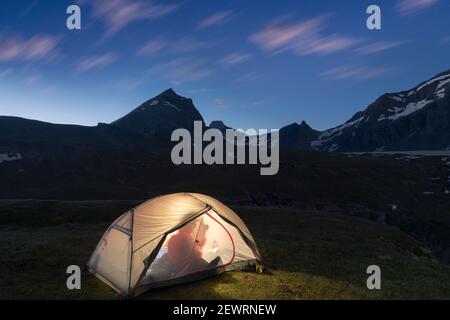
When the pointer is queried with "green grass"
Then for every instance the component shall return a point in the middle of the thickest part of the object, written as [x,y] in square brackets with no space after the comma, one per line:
[309,255]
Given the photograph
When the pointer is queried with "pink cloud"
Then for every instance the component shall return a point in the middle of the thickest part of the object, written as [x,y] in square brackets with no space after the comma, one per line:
[379,46]
[406,7]
[201,90]
[186,68]
[117,14]
[38,47]
[183,45]
[29,8]
[263,102]
[303,37]
[131,83]
[96,62]
[215,19]
[152,46]
[220,103]
[6,72]
[234,58]
[325,45]
[32,79]
[189,44]
[445,40]
[354,72]
[248,77]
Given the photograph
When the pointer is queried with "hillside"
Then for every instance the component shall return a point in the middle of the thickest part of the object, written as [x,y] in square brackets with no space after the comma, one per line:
[310,255]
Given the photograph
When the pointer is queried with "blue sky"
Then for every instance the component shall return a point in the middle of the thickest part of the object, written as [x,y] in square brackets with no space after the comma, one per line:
[259,64]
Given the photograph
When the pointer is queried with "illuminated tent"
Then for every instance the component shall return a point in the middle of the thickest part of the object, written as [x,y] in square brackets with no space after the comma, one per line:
[172,239]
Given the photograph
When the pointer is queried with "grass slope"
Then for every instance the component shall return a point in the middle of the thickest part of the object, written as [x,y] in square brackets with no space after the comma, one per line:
[311,255]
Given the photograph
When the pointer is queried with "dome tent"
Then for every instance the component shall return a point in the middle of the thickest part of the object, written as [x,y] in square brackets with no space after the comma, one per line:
[172,239]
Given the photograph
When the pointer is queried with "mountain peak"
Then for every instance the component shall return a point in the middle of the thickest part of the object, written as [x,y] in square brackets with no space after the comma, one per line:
[217,124]
[169,96]
[160,115]
[169,92]
[297,135]
[302,125]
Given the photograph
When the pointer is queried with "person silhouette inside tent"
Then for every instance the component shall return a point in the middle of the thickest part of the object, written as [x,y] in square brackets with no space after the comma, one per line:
[184,253]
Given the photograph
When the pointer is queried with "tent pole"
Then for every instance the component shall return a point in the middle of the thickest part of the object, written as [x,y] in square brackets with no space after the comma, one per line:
[131,252]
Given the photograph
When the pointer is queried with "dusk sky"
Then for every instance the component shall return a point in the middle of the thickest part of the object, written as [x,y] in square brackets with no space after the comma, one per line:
[252,64]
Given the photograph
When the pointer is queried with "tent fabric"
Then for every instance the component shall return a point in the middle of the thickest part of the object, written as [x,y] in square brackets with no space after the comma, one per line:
[172,239]
[229,214]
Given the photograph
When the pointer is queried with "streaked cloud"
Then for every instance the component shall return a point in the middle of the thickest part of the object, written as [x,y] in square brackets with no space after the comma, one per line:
[36,48]
[152,46]
[186,44]
[349,72]
[186,68]
[220,103]
[379,46]
[263,102]
[407,7]
[201,90]
[176,72]
[190,44]
[130,83]
[301,37]
[445,39]
[32,79]
[331,44]
[118,14]
[29,8]
[97,61]
[216,19]
[6,72]
[234,58]
[250,76]
[276,35]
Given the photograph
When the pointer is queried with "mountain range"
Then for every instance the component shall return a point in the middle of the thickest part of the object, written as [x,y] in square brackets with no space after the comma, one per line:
[127,159]
[415,119]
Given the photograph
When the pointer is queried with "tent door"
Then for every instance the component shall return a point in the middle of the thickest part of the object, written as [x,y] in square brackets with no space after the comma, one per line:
[201,245]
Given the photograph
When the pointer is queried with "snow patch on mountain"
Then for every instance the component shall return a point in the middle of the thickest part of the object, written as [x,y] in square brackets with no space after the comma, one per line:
[316,144]
[440,89]
[333,147]
[166,103]
[330,134]
[402,112]
[440,94]
[442,83]
[152,104]
[338,130]
[397,98]
[10,157]
[389,108]
[446,76]
[171,105]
